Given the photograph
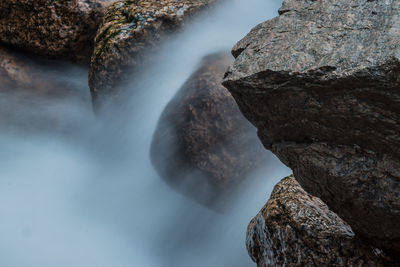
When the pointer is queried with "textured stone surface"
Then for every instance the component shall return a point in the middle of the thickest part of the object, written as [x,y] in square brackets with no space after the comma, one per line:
[59,29]
[130,29]
[297,229]
[321,84]
[203,145]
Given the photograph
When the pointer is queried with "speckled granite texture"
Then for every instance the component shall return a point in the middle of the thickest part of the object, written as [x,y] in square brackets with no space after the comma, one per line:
[63,29]
[297,229]
[321,84]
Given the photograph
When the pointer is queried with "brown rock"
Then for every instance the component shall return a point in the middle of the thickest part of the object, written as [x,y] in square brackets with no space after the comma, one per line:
[130,29]
[203,145]
[297,229]
[58,29]
[320,82]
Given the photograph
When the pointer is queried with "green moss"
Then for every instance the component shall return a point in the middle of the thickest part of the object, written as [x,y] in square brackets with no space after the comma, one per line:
[104,44]
[121,21]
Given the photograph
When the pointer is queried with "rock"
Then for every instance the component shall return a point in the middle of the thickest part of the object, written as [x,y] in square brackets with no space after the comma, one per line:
[57,29]
[297,229]
[203,146]
[130,29]
[321,84]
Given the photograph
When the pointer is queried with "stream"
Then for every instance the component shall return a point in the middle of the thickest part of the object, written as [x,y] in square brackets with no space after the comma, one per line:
[79,190]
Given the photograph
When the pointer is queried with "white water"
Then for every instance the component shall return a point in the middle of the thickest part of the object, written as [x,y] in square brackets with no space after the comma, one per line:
[77,191]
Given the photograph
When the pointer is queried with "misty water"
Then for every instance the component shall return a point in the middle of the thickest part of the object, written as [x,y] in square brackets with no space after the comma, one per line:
[79,190]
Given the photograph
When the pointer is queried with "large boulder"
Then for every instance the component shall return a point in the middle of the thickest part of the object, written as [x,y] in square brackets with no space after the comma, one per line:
[321,84]
[295,228]
[130,30]
[59,29]
[203,146]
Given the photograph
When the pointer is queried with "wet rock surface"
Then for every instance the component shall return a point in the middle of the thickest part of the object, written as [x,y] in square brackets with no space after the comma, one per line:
[131,29]
[295,228]
[320,82]
[57,29]
[203,146]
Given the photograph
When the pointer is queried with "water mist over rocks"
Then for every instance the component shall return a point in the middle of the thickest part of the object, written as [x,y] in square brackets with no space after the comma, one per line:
[129,32]
[81,191]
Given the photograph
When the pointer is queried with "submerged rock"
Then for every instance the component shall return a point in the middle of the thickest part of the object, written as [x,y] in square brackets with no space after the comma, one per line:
[203,145]
[58,29]
[297,229]
[321,84]
[20,72]
[38,95]
[130,29]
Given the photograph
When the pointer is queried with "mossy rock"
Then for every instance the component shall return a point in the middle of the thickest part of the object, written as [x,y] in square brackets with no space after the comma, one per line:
[129,30]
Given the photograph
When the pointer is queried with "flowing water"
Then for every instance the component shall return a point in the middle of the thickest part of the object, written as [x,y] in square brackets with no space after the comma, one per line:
[76,190]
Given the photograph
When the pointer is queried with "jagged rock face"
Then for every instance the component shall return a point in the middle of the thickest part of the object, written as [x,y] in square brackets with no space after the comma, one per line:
[297,229]
[203,146]
[59,29]
[130,29]
[321,84]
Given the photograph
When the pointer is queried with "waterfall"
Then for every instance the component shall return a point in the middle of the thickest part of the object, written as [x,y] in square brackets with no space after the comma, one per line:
[76,190]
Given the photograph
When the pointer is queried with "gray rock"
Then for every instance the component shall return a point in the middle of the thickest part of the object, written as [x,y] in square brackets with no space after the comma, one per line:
[321,84]
[297,229]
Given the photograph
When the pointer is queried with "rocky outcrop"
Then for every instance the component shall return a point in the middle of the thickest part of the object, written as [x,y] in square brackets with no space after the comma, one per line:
[203,146]
[130,29]
[297,229]
[58,29]
[321,84]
